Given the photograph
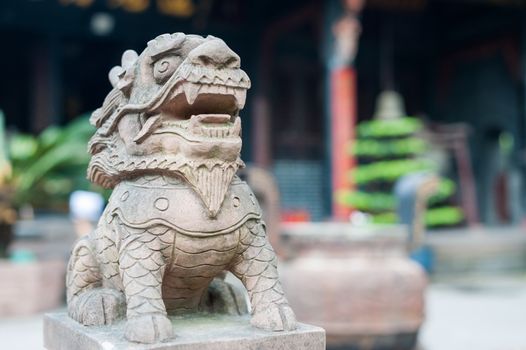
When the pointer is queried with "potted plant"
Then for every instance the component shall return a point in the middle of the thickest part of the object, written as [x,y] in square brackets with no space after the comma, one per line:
[48,167]
[37,172]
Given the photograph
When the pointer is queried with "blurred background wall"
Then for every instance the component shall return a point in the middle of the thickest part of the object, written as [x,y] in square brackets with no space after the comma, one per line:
[452,61]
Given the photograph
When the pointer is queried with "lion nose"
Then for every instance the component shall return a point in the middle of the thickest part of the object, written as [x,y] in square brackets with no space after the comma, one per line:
[214,53]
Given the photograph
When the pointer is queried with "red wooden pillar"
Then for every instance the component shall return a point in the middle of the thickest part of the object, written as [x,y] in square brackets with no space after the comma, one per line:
[343,110]
[344,32]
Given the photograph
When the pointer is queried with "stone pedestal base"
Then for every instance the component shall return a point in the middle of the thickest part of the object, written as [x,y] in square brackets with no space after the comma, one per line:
[201,332]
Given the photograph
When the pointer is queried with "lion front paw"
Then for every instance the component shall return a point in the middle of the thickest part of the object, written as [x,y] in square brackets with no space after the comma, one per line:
[97,307]
[275,317]
[149,329]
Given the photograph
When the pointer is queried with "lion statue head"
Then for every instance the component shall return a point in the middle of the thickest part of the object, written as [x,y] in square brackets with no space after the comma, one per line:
[173,111]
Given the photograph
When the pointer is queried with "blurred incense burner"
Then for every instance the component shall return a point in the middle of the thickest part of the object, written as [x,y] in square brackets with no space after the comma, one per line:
[356,282]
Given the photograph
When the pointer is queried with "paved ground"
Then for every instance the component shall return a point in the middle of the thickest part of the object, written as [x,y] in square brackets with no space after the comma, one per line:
[478,314]
[21,333]
[474,314]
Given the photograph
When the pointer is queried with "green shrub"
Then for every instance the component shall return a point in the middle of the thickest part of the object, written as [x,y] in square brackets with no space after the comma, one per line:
[443,216]
[389,170]
[48,167]
[379,128]
[388,148]
[367,201]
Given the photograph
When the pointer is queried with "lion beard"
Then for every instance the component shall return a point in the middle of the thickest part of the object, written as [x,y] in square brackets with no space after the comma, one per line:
[211,181]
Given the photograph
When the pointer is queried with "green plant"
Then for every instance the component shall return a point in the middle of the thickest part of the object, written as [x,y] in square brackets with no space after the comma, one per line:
[389,149]
[7,213]
[392,148]
[48,167]
[388,170]
[443,216]
[389,128]
[367,201]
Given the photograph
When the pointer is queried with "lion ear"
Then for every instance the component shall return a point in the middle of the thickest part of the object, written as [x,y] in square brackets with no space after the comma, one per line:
[129,57]
[115,74]
[121,76]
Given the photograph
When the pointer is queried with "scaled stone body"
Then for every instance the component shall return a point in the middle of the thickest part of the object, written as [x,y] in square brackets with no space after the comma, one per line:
[168,143]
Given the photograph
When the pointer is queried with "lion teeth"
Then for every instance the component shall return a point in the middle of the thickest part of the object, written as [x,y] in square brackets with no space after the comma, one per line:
[197,130]
[236,129]
[191,92]
[207,75]
[217,81]
[178,90]
[240,95]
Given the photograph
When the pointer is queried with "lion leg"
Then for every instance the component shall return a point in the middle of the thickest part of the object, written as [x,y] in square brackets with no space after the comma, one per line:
[142,267]
[88,302]
[224,297]
[256,267]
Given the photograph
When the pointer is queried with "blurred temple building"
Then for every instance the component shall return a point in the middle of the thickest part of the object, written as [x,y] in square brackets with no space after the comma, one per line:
[316,69]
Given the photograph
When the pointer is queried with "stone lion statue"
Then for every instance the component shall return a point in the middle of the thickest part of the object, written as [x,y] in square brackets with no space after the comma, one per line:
[168,143]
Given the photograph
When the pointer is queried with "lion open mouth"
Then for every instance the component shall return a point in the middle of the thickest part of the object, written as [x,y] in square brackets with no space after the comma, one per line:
[203,105]
[203,108]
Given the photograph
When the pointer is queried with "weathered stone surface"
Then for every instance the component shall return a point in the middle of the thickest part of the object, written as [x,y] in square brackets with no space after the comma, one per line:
[198,332]
[168,142]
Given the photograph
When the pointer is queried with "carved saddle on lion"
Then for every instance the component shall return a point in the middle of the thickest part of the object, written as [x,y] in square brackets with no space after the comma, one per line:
[168,143]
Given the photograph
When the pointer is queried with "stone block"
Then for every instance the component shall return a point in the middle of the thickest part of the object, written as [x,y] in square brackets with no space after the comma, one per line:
[196,332]
[28,288]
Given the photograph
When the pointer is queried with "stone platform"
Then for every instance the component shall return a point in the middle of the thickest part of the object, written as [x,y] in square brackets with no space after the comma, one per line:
[201,332]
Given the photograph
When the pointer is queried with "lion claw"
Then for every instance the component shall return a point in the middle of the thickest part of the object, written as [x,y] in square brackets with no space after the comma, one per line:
[97,307]
[277,317]
[148,329]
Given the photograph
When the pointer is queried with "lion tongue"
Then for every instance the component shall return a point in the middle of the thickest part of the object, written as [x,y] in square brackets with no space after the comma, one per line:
[211,118]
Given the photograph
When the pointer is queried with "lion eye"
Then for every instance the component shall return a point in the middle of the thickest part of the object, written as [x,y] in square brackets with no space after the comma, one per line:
[164,68]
